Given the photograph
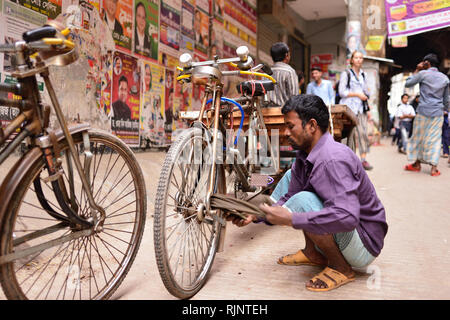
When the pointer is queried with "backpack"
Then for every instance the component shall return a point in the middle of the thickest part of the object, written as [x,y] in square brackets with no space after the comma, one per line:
[338,97]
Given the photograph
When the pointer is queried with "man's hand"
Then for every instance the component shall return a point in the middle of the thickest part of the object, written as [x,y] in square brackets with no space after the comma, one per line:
[277,215]
[239,221]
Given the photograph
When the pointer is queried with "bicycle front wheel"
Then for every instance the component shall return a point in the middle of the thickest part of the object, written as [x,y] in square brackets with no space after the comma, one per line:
[185,239]
[84,267]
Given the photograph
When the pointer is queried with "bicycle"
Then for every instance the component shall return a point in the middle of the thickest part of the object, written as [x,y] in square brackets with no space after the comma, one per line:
[188,230]
[73,207]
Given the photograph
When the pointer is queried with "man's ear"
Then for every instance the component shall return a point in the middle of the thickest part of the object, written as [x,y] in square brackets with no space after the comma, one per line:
[313,125]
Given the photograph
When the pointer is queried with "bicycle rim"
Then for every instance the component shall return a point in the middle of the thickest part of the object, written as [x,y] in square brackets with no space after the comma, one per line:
[185,245]
[89,267]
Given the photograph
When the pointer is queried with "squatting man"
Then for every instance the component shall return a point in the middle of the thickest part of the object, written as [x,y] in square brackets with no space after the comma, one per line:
[328,195]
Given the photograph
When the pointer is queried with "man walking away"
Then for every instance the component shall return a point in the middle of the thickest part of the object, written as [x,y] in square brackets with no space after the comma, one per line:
[284,74]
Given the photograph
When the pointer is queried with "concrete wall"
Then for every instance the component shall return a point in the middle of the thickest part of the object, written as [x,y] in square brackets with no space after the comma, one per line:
[328,36]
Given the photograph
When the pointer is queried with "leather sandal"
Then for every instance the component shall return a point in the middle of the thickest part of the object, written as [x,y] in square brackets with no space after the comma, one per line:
[436,173]
[410,167]
[297,259]
[332,278]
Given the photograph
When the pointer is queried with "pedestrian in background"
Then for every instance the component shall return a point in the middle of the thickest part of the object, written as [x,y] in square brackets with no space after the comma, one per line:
[445,135]
[405,113]
[415,102]
[301,81]
[321,87]
[396,126]
[354,93]
[425,143]
[284,74]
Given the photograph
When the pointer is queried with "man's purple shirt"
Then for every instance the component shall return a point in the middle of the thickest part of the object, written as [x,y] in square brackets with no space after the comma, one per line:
[334,173]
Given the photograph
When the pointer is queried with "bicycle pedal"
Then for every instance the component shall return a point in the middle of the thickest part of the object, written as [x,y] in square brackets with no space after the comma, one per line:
[260,180]
[54,176]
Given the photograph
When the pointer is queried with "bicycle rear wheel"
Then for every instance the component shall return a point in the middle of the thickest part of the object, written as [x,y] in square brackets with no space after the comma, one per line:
[87,267]
[186,241]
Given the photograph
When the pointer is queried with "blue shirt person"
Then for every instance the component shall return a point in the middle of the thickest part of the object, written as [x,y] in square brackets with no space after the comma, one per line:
[321,87]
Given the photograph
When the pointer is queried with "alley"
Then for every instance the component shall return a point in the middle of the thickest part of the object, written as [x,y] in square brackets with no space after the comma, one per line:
[413,264]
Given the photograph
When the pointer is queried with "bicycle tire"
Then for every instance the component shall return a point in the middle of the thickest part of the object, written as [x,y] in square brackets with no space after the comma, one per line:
[183,209]
[96,267]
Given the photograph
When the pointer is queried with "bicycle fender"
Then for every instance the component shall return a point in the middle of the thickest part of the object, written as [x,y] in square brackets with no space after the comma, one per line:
[21,167]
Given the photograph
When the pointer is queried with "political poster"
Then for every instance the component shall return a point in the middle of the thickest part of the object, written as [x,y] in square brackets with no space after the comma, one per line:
[170,26]
[117,14]
[187,20]
[125,107]
[152,107]
[145,40]
[201,30]
[169,89]
[49,8]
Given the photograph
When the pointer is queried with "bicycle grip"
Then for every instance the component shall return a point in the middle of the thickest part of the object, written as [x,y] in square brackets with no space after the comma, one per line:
[38,34]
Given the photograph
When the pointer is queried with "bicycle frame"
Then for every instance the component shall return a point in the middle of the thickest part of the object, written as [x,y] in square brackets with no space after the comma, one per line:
[33,120]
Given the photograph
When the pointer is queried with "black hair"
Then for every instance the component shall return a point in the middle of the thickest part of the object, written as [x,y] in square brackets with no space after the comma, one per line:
[278,51]
[405,94]
[308,106]
[316,69]
[141,4]
[300,75]
[123,79]
[432,59]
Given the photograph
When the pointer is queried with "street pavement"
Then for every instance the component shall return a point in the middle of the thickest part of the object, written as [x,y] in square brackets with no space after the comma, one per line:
[413,264]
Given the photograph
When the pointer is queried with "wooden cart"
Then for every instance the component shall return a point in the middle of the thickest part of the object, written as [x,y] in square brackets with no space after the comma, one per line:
[344,123]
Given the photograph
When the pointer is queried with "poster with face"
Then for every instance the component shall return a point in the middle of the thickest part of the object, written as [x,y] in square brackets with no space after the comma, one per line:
[117,14]
[146,28]
[152,112]
[201,30]
[125,107]
[169,101]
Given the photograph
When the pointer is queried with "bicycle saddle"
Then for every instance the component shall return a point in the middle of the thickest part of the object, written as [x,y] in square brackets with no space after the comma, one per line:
[255,87]
[39,33]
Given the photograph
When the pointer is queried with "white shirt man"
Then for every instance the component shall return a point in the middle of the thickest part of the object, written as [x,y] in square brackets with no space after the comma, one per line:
[403,110]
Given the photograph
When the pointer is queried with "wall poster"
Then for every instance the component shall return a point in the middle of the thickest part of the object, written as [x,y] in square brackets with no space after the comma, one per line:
[126,98]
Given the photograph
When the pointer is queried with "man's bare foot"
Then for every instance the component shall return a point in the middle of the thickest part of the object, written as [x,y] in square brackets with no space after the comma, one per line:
[315,256]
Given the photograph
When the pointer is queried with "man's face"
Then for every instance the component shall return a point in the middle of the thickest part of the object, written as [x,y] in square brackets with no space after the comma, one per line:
[110,7]
[298,137]
[405,99]
[123,91]
[140,19]
[316,75]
